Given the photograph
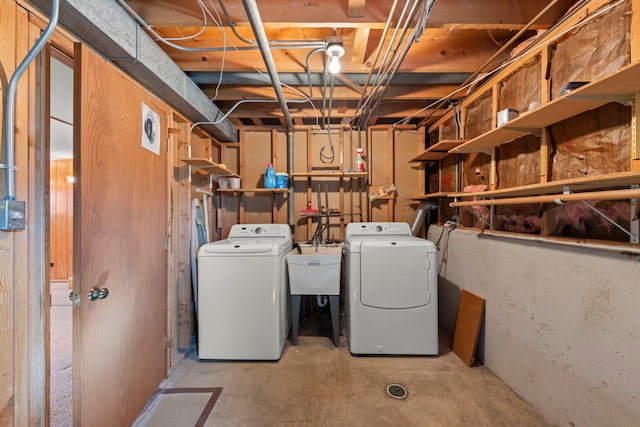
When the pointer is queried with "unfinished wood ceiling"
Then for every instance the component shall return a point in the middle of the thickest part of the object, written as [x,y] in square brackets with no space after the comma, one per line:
[459,36]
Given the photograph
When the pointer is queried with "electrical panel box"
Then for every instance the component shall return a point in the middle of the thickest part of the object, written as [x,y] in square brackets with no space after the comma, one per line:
[12,215]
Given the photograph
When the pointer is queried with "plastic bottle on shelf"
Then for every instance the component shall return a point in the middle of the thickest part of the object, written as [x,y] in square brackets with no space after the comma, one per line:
[359,160]
[270,177]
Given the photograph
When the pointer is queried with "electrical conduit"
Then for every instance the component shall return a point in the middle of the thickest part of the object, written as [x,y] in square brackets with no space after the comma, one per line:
[11,97]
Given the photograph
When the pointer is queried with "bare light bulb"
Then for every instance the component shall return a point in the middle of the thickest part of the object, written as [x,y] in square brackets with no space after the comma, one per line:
[334,64]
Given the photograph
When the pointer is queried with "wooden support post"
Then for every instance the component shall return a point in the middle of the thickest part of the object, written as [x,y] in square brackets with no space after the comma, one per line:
[341,204]
[243,173]
[635,31]
[493,174]
[390,172]
[309,189]
[545,146]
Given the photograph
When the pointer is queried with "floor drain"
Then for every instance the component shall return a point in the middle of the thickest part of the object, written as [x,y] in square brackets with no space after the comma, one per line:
[396,391]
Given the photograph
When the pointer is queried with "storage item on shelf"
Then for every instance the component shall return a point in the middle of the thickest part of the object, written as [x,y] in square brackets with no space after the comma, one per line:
[234,183]
[505,115]
[223,183]
[360,160]
[282,180]
[270,177]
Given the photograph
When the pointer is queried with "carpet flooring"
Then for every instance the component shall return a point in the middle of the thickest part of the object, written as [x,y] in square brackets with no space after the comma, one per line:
[61,409]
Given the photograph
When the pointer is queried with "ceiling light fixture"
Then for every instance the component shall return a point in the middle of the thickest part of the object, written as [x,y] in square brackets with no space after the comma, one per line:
[334,51]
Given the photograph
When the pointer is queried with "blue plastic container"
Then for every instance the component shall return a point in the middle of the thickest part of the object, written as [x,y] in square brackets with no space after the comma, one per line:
[270,177]
[282,180]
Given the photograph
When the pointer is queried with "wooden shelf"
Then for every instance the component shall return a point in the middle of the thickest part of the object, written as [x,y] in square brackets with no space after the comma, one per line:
[619,86]
[254,190]
[430,196]
[620,179]
[485,142]
[329,174]
[208,166]
[438,151]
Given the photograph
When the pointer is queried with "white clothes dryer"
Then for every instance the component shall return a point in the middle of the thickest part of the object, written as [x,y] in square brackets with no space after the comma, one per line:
[243,308]
[392,290]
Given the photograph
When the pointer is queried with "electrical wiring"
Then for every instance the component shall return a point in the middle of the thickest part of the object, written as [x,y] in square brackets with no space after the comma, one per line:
[394,54]
[438,102]
[204,25]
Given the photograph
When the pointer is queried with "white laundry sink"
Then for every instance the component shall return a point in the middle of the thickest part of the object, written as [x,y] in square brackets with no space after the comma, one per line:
[315,271]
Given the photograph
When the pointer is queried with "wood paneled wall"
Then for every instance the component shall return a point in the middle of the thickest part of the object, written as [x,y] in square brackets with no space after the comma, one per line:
[61,219]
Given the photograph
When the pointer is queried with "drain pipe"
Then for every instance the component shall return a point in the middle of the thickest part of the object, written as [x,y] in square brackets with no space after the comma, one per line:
[12,212]
[263,43]
[258,30]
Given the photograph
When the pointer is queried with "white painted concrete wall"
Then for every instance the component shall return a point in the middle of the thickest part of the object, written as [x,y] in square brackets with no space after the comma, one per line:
[562,324]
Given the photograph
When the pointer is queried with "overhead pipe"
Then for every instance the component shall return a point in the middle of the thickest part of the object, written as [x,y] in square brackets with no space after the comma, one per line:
[253,14]
[290,180]
[383,82]
[378,51]
[11,96]
[274,45]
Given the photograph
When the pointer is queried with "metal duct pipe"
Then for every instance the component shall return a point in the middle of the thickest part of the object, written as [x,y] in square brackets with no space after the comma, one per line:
[290,171]
[11,96]
[263,43]
[421,213]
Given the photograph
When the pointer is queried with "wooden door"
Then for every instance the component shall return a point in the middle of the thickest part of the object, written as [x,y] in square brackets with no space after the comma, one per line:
[120,229]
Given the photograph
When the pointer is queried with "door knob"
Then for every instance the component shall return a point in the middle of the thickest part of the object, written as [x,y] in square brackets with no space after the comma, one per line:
[98,293]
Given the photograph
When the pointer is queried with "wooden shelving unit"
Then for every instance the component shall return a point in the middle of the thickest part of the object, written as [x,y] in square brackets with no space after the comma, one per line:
[619,86]
[438,151]
[431,196]
[254,190]
[590,183]
[329,174]
[208,166]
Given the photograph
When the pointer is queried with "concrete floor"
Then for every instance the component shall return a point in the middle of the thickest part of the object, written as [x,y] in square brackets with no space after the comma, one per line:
[317,384]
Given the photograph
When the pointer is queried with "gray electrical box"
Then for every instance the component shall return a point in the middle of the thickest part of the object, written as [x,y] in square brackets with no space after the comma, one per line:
[12,215]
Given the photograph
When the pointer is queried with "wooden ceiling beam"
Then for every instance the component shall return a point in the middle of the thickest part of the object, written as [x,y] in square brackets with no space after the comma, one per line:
[403,92]
[334,14]
[356,8]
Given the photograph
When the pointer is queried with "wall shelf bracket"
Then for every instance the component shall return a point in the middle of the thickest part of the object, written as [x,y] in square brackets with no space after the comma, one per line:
[633,234]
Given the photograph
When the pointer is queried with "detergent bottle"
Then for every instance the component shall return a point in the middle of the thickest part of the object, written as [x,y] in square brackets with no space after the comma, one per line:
[270,177]
[359,160]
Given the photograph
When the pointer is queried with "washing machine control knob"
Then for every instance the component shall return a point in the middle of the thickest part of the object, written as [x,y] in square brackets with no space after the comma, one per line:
[258,230]
[378,228]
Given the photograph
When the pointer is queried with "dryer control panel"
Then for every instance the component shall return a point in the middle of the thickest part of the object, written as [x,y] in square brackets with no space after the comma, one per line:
[378,228]
[260,230]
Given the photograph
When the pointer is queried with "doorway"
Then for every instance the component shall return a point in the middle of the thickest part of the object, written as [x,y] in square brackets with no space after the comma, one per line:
[60,195]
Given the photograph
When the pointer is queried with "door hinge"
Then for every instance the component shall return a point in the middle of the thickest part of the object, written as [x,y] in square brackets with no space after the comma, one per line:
[75,299]
[167,343]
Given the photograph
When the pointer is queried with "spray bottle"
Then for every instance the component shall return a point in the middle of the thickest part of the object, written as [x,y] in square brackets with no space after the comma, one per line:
[359,160]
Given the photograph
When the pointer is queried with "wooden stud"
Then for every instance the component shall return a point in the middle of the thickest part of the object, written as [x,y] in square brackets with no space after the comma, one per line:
[390,172]
[243,150]
[545,148]
[635,31]
[635,134]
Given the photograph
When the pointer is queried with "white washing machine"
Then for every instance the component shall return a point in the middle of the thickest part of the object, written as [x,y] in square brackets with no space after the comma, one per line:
[243,309]
[392,290]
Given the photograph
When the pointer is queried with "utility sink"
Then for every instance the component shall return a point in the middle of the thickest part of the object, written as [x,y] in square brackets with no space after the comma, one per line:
[315,271]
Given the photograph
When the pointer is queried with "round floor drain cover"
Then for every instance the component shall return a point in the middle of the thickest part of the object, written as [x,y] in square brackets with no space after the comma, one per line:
[396,391]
